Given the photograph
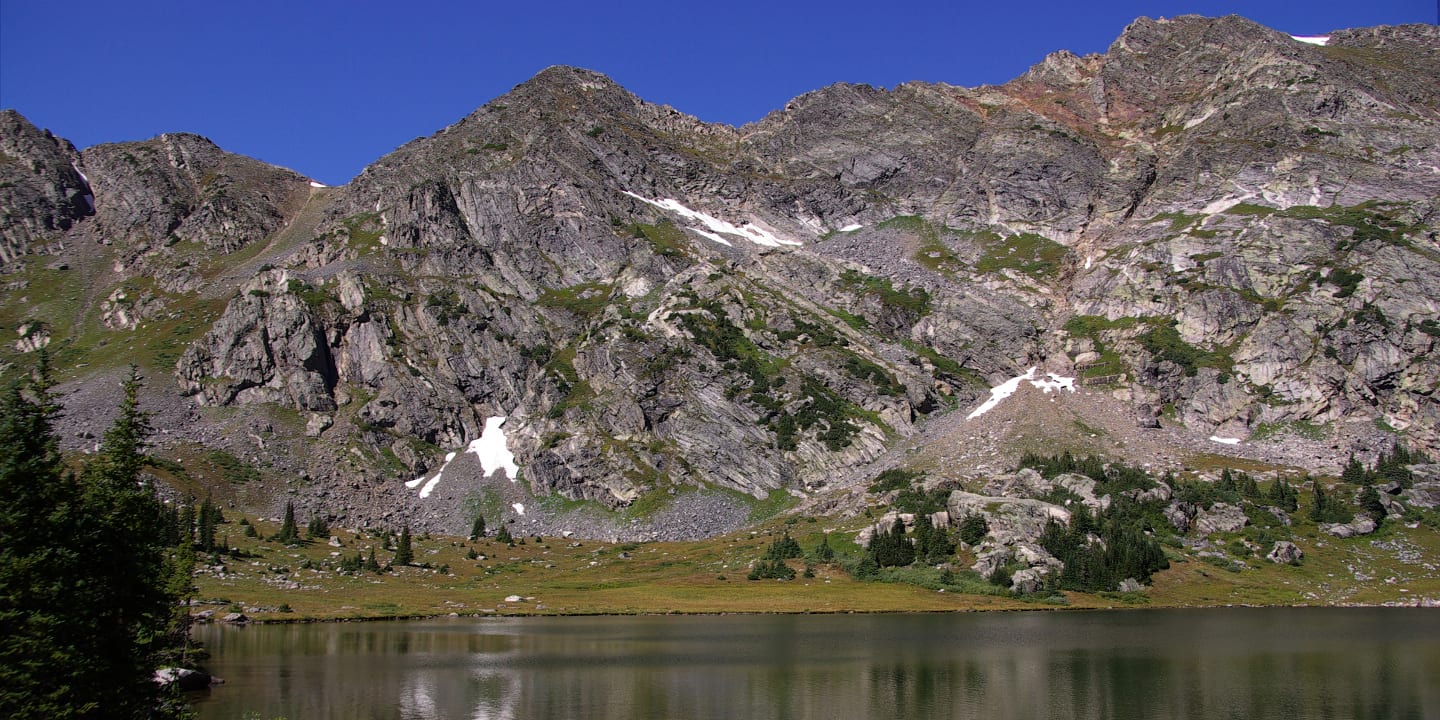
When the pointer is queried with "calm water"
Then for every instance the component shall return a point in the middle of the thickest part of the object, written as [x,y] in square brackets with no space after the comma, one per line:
[1225,663]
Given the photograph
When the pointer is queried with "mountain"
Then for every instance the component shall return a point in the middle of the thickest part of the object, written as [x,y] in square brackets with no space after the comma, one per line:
[1227,236]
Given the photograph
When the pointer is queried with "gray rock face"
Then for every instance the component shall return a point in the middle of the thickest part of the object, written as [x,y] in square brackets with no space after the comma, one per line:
[1221,517]
[41,191]
[1211,216]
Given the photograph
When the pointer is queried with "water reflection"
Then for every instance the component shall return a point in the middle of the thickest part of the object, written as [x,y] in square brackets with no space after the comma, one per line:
[1291,663]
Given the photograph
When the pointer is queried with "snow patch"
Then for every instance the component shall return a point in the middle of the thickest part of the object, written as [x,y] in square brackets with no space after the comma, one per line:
[318,184]
[519,508]
[851,227]
[716,226]
[1312,39]
[1224,440]
[1051,381]
[492,450]
[1088,261]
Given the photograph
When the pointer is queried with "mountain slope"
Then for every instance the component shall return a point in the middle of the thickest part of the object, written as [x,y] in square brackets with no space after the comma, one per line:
[1219,230]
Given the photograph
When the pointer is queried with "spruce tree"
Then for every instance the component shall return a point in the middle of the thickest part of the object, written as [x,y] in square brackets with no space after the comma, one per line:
[1354,472]
[477,529]
[404,555]
[288,534]
[1371,505]
[88,589]
[503,535]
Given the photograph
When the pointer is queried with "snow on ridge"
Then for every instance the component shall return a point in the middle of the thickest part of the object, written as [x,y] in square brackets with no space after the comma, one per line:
[315,184]
[716,226]
[1312,39]
[491,448]
[1224,440]
[519,508]
[1051,381]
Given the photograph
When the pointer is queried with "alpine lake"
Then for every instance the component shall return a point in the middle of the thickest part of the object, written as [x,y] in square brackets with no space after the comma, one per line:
[1281,662]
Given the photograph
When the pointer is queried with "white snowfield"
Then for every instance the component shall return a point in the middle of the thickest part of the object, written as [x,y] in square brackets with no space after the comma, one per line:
[851,228]
[315,184]
[1224,440]
[1312,39]
[492,450]
[715,227]
[1051,381]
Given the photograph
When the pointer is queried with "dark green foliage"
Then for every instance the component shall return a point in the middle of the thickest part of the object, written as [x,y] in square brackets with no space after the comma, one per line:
[477,529]
[973,529]
[1327,509]
[883,381]
[894,479]
[823,551]
[891,548]
[1109,479]
[1000,577]
[771,570]
[503,535]
[208,518]
[1346,280]
[914,303]
[88,588]
[1282,494]
[371,563]
[404,553]
[289,534]
[1370,504]
[1124,549]
[1164,343]
[784,548]
[920,502]
[318,528]
[1354,473]
[931,543]
[1239,483]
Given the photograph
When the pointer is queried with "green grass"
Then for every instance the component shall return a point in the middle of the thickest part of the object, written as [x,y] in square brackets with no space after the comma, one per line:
[1297,428]
[1027,253]
[585,300]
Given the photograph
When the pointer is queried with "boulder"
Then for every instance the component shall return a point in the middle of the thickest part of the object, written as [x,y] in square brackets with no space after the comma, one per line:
[234,617]
[183,678]
[1286,553]
[1029,580]
[1221,517]
[1130,585]
[1423,495]
[1361,525]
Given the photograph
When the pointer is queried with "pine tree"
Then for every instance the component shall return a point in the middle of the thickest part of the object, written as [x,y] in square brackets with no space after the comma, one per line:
[823,552]
[88,587]
[318,529]
[404,555]
[1354,472]
[477,529]
[288,534]
[205,535]
[1371,505]
[503,535]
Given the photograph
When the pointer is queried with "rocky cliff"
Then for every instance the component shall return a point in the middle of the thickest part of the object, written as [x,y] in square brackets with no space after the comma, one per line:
[1218,229]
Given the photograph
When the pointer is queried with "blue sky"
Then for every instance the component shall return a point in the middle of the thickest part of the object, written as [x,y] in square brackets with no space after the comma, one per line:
[326,87]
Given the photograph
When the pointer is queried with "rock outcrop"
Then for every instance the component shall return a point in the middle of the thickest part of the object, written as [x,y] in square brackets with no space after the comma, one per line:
[1232,230]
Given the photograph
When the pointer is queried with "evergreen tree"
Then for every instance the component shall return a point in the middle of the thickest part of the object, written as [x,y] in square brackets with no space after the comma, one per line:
[318,529]
[88,589]
[892,548]
[288,534]
[503,535]
[477,530]
[784,548]
[1371,505]
[404,555]
[371,563]
[974,528]
[823,552]
[1354,472]
[205,535]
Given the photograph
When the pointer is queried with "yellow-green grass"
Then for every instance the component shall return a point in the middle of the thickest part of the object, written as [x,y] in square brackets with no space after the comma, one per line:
[708,576]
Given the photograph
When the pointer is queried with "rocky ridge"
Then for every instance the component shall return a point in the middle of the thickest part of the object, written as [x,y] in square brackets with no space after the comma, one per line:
[1219,230]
